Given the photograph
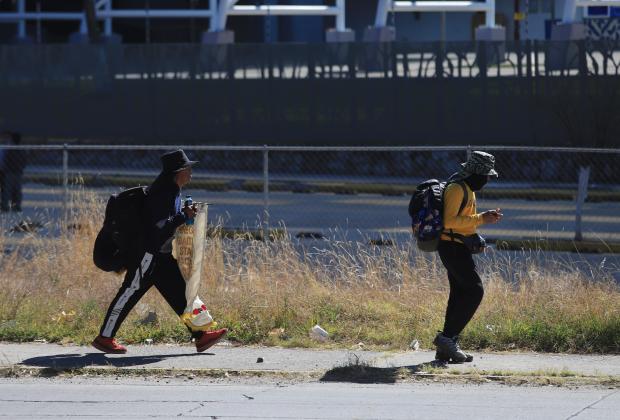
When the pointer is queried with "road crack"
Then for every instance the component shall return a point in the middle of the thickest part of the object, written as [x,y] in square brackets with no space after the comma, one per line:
[574,415]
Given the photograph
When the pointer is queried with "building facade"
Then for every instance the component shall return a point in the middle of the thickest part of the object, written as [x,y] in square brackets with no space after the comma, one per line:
[523,19]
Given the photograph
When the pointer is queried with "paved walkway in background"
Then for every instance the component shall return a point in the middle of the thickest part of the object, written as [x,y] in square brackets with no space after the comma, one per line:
[278,360]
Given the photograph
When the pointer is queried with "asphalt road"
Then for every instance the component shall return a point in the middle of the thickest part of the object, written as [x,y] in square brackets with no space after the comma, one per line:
[141,398]
[364,214]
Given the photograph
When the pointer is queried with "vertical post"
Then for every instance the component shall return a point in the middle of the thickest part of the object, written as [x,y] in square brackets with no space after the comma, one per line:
[490,14]
[468,151]
[83,27]
[383,7]
[108,20]
[526,22]
[340,22]
[439,59]
[21,24]
[582,194]
[65,180]
[570,11]
[582,58]
[528,58]
[268,23]
[213,20]
[265,224]
[38,8]
[482,57]
[222,13]
[147,23]
[442,27]
[536,64]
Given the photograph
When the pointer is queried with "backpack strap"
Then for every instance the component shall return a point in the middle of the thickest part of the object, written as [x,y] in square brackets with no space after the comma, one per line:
[463,204]
[465,197]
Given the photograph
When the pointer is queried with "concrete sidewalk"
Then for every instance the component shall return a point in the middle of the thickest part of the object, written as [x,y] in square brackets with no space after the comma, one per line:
[227,358]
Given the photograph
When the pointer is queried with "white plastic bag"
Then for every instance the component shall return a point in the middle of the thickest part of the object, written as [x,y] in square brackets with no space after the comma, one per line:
[188,249]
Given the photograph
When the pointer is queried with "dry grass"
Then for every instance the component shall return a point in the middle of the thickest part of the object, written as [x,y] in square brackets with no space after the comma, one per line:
[274,292]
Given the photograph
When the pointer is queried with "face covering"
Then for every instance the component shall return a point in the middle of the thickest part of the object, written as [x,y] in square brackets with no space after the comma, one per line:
[476,182]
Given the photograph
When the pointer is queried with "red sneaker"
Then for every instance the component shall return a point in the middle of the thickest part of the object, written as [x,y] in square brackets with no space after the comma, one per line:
[108,345]
[209,338]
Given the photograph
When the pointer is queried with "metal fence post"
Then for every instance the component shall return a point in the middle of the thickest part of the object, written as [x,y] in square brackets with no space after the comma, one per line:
[468,152]
[582,194]
[439,56]
[265,224]
[65,180]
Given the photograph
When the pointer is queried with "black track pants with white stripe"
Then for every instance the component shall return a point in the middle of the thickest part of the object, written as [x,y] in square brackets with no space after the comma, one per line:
[159,270]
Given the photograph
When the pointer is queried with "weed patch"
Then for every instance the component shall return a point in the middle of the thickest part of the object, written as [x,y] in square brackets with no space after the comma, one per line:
[381,296]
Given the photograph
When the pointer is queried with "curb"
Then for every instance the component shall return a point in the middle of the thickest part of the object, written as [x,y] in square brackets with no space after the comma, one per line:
[558,245]
[352,374]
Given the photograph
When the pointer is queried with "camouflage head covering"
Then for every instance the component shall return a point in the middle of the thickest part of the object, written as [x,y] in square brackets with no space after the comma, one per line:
[480,163]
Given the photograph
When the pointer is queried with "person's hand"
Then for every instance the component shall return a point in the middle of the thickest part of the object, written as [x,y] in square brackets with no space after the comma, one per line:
[190,212]
[492,216]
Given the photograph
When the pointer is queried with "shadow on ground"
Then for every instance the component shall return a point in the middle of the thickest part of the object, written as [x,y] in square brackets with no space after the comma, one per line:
[77,361]
[363,374]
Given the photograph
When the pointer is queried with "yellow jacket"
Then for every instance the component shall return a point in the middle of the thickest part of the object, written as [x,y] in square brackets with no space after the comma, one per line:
[468,220]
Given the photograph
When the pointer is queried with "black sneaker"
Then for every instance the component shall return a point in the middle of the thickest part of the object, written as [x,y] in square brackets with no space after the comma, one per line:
[448,350]
[470,358]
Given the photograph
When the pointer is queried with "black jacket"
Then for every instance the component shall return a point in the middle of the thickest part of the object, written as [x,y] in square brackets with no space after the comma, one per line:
[162,211]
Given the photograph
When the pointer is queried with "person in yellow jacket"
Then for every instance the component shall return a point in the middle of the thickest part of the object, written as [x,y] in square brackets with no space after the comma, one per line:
[458,241]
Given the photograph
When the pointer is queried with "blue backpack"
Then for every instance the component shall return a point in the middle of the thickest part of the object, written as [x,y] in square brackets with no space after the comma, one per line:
[426,211]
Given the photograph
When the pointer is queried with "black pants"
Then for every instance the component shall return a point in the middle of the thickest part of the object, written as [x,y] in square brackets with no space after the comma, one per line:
[465,286]
[11,185]
[159,270]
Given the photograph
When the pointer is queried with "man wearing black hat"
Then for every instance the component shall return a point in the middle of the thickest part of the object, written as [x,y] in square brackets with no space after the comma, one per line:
[163,214]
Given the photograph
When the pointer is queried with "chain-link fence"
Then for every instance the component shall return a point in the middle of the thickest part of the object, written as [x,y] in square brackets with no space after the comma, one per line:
[332,192]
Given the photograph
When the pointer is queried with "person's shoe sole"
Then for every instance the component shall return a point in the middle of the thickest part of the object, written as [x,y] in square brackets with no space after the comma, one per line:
[211,344]
[107,350]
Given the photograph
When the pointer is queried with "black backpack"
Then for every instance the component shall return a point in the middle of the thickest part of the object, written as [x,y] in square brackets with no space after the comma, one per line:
[426,211]
[120,240]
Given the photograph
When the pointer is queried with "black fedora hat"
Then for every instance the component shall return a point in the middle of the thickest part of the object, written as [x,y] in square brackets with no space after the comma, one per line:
[176,161]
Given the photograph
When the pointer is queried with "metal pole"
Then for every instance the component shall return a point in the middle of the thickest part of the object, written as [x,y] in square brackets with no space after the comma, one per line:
[21,25]
[570,11]
[582,194]
[265,224]
[108,20]
[527,19]
[340,22]
[39,23]
[65,180]
[383,7]
[442,28]
[490,14]
[213,18]
[147,23]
